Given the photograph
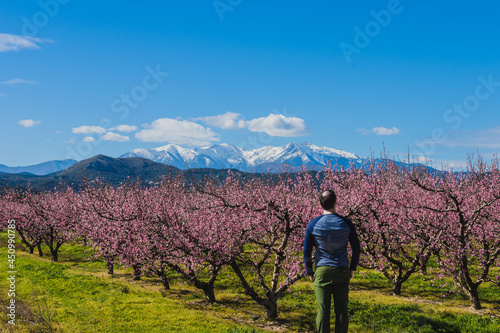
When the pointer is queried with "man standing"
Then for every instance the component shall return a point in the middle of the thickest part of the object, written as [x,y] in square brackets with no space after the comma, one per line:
[329,234]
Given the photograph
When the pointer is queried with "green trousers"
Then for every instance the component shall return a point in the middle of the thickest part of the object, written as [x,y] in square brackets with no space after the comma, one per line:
[332,281]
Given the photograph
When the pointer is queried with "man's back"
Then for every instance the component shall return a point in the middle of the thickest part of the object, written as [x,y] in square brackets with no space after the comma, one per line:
[329,235]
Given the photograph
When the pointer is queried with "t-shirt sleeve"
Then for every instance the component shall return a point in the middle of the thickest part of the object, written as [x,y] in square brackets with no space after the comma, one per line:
[355,246]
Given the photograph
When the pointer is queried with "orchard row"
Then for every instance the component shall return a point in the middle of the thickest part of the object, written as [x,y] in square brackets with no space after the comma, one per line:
[403,216]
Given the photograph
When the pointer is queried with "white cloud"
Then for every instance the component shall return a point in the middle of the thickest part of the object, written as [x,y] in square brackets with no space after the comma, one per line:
[72,140]
[88,130]
[386,131]
[10,42]
[29,122]
[17,81]
[124,128]
[449,164]
[480,138]
[228,120]
[445,164]
[175,131]
[490,156]
[88,139]
[3,95]
[110,136]
[440,164]
[273,124]
[363,131]
[422,159]
[279,125]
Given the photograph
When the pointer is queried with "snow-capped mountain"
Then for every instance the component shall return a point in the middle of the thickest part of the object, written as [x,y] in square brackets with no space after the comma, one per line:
[263,159]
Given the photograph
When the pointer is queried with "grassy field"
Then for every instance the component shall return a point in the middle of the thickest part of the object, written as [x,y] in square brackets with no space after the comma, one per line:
[77,295]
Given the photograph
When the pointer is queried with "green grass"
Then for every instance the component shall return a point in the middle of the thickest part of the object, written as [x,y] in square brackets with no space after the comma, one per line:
[77,295]
[411,318]
[80,297]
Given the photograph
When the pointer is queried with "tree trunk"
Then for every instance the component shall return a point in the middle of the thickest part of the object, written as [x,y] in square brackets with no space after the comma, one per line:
[54,250]
[396,287]
[208,289]
[423,262]
[423,268]
[137,271]
[54,255]
[473,297]
[269,303]
[110,265]
[40,252]
[271,308]
[165,281]
[32,248]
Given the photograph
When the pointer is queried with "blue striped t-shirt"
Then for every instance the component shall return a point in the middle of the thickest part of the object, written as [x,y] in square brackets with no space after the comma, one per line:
[329,234]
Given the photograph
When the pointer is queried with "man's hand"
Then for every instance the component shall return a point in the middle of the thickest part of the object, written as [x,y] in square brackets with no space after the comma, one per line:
[352,273]
[311,277]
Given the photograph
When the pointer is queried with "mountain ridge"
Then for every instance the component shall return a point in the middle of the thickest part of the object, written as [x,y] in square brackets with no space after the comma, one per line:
[111,170]
[40,169]
[264,159]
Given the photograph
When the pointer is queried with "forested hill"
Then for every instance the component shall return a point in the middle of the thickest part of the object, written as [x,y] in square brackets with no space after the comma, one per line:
[112,170]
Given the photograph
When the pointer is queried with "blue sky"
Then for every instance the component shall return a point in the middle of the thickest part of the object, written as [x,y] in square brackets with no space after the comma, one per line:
[80,78]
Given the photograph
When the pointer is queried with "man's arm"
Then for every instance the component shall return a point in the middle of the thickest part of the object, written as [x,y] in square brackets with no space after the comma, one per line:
[355,246]
[308,247]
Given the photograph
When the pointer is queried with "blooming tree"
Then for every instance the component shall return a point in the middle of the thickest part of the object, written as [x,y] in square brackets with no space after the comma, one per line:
[470,229]
[53,215]
[279,212]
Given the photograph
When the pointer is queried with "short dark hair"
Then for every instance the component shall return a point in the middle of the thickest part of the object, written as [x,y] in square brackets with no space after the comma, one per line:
[327,199]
